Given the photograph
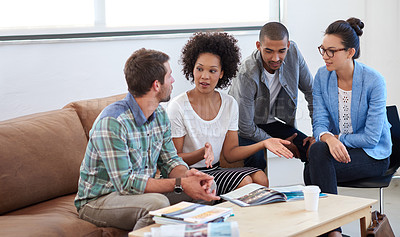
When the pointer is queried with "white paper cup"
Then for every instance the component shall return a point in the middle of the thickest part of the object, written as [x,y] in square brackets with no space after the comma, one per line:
[311,197]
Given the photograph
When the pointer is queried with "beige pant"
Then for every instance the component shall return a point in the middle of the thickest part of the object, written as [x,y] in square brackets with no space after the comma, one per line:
[127,212]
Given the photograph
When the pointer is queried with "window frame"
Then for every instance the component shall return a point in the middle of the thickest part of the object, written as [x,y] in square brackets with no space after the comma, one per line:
[100,31]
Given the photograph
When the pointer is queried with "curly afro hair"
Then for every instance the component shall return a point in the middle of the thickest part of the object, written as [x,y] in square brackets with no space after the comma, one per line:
[217,43]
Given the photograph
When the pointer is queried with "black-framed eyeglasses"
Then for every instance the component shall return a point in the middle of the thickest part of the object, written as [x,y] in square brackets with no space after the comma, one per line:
[329,52]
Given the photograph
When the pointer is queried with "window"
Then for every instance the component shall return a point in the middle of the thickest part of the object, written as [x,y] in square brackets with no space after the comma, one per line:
[43,15]
[185,14]
[27,17]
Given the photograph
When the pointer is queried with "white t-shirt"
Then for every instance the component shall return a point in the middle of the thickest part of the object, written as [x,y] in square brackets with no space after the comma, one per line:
[345,112]
[186,122]
[345,126]
[274,87]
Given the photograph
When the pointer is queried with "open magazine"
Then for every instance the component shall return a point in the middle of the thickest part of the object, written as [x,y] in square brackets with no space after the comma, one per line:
[255,194]
[190,213]
[201,230]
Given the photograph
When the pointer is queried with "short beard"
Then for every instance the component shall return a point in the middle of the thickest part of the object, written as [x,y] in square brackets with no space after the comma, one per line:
[165,99]
[162,92]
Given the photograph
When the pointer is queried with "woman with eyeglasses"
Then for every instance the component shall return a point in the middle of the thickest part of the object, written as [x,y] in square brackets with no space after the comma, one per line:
[349,121]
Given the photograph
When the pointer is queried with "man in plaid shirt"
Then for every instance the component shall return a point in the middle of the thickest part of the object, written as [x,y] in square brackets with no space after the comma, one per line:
[129,140]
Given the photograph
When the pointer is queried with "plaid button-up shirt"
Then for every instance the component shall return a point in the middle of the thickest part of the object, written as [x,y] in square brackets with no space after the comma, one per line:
[124,150]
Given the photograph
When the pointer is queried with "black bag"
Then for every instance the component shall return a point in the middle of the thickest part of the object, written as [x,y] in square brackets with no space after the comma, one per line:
[380,226]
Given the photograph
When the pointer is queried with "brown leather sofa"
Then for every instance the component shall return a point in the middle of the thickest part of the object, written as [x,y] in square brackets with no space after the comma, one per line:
[40,156]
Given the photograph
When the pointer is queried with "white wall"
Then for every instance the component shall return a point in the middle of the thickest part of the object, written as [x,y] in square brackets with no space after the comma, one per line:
[46,75]
[307,20]
[39,76]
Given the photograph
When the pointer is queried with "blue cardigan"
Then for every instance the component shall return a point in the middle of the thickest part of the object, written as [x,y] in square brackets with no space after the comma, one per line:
[371,129]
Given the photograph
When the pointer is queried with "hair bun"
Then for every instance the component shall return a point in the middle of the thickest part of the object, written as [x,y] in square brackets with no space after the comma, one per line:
[356,24]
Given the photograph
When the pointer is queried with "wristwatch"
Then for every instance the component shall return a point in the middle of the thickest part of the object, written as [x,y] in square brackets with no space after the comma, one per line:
[178,186]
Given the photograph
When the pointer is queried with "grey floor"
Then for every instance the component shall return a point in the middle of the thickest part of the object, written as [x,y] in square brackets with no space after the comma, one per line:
[391,205]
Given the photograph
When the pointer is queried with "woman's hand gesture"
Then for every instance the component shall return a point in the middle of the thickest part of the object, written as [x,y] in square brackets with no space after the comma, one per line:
[208,154]
[278,147]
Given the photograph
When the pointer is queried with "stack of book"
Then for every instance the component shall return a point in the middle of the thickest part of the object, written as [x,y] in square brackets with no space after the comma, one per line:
[219,229]
[190,213]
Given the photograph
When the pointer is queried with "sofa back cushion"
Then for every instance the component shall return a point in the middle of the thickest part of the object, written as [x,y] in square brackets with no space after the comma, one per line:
[40,156]
[88,110]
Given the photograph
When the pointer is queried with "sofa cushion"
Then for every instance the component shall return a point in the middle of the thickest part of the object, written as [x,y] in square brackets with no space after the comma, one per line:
[88,110]
[57,217]
[40,156]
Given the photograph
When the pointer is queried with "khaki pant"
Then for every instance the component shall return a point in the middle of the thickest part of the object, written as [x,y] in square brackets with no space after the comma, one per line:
[127,212]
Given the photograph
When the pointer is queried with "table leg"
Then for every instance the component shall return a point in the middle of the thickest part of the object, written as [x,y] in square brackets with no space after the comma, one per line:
[365,222]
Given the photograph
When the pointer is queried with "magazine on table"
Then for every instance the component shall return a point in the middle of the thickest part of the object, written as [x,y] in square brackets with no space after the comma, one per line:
[189,213]
[167,221]
[254,194]
[294,192]
[200,230]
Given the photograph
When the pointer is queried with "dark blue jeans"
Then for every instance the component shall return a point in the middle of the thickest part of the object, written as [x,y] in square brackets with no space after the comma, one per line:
[323,170]
[278,130]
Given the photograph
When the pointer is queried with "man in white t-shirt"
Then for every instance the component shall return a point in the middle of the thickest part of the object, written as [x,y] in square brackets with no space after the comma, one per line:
[266,89]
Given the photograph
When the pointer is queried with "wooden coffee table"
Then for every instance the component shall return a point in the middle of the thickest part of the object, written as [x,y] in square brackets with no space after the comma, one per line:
[290,218]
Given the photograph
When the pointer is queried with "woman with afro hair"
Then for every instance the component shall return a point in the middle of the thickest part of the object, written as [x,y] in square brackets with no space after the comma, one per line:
[205,121]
